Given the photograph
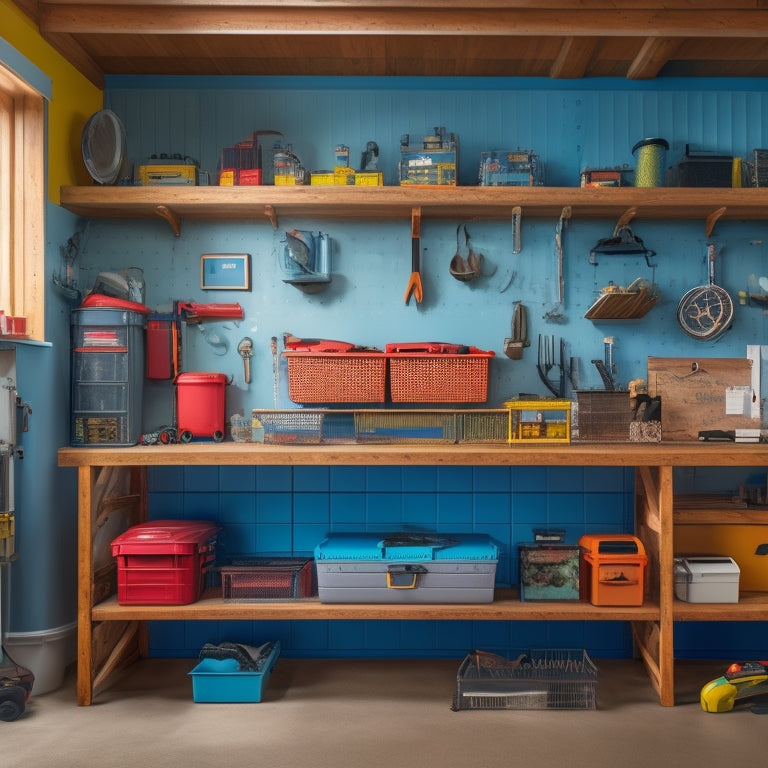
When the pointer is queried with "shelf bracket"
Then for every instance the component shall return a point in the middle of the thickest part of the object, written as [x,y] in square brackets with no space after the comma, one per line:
[624,220]
[164,212]
[271,214]
[712,219]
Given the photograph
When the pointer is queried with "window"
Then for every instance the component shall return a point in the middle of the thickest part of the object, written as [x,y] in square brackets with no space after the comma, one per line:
[22,202]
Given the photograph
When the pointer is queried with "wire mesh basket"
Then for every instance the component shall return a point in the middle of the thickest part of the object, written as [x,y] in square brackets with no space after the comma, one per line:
[484,426]
[604,416]
[539,679]
[427,426]
[290,426]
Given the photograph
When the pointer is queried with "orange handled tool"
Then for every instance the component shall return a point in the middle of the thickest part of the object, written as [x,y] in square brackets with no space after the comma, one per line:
[414,283]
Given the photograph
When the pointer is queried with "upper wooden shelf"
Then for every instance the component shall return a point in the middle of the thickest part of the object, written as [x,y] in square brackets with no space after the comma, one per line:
[269,203]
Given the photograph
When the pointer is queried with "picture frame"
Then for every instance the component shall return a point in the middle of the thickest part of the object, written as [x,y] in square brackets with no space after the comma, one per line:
[225,272]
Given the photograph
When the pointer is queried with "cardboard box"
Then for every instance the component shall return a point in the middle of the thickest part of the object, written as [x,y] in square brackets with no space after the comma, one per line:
[697,394]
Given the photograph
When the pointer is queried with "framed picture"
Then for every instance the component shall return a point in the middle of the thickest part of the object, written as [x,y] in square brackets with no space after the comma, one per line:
[225,271]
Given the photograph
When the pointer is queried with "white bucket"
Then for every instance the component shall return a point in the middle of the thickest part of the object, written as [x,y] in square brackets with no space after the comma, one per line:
[46,654]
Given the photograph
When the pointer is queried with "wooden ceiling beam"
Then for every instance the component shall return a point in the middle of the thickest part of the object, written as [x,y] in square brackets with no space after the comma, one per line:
[562,5]
[573,58]
[652,57]
[171,19]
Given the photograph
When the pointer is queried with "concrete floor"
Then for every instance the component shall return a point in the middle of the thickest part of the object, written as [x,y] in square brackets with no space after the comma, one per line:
[346,713]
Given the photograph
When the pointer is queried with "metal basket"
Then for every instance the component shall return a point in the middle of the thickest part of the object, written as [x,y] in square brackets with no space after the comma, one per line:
[604,416]
[540,679]
[405,426]
[484,426]
[291,426]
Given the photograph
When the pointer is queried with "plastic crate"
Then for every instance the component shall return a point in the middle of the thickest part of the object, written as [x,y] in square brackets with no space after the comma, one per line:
[221,681]
[254,579]
[441,378]
[332,377]
[540,679]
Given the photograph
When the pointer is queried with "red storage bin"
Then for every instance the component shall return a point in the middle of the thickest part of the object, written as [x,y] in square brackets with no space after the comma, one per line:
[200,410]
[433,372]
[164,562]
[336,377]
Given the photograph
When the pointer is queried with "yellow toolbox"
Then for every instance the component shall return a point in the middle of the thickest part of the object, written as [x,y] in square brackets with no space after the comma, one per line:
[159,174]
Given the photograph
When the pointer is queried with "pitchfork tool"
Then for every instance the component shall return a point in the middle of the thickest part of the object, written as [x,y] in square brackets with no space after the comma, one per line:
[546,362]
[414,283]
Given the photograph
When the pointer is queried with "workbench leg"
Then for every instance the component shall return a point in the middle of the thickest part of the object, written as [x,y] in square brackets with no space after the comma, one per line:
[85,670]
[653,523]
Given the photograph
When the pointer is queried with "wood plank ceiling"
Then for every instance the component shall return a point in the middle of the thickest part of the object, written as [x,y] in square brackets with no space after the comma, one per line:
[634,39]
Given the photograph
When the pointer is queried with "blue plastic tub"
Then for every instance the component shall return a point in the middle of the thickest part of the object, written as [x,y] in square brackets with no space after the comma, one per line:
[222,681]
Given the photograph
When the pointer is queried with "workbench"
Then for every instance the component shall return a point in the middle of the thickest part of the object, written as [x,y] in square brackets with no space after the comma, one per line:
[113,482]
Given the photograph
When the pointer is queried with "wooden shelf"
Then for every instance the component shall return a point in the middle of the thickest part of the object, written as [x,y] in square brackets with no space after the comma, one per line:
[464,454]
[506,607]
[269,203]
[752,606]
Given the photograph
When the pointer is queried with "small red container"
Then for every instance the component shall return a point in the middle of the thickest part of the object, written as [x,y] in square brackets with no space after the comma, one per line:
[200,411]
[164,562]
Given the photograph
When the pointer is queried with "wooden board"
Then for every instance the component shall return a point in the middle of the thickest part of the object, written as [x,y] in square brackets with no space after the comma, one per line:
[693,394]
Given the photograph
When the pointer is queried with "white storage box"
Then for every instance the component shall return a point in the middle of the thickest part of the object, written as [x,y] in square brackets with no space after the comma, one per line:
[707,579]
[46,653]
[406,568]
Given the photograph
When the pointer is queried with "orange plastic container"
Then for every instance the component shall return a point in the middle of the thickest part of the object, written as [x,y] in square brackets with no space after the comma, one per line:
[612,569]
[200,411]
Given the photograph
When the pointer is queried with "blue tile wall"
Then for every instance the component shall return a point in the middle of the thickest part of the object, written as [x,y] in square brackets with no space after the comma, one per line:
[287,511]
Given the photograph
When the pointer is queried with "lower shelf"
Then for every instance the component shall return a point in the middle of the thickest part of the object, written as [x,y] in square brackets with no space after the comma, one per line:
[506,607]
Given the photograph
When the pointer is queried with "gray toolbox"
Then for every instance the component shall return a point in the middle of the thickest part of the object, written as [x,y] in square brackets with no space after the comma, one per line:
[406,568]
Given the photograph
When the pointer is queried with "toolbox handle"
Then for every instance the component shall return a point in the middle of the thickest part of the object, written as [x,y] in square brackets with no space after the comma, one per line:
[404,576]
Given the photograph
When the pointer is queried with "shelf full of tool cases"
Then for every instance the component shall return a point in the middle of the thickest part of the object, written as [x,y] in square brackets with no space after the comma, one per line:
[107,636]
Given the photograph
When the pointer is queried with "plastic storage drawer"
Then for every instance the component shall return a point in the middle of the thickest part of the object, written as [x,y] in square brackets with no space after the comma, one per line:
[164,562]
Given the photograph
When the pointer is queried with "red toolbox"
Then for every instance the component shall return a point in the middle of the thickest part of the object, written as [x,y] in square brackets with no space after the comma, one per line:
[612,569]
[164,562]
[200,411]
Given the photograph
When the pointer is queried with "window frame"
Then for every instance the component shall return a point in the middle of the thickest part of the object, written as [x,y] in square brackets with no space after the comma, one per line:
[22,202]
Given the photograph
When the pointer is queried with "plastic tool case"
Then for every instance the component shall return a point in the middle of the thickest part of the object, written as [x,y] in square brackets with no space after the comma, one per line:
[164,562]
[406,568]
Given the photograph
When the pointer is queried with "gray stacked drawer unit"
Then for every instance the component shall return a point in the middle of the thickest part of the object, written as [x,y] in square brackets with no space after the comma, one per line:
[107,376]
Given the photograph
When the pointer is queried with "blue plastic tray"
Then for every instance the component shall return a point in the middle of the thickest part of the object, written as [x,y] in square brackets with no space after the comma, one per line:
[222,681]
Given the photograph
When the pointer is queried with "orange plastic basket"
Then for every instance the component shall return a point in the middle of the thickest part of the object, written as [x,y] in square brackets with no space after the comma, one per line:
[423,378]
[333,377]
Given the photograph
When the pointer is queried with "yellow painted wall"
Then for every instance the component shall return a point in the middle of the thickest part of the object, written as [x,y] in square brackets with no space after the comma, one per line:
[74,99]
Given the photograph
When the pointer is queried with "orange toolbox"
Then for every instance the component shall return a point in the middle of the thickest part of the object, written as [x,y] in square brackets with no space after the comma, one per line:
[612,569]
